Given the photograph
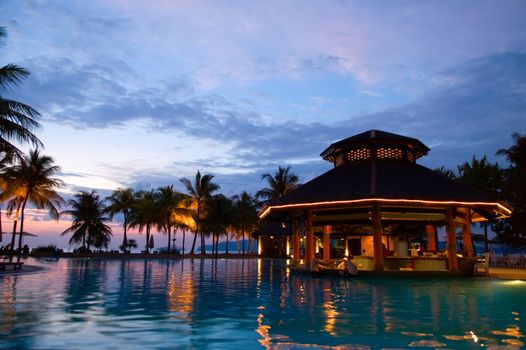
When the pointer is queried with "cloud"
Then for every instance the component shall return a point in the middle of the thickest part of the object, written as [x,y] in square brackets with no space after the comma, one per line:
[473,108]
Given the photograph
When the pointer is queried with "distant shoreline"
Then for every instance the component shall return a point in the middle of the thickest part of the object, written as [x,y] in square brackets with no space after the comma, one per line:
[121,256]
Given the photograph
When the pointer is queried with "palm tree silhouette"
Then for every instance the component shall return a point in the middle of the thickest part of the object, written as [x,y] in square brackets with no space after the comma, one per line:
[280,184]
[167,203]
[145,213]
[17,120]
[245,215]
[34,176]
[218,219]
[89,223]
[200,192]
[484,176]
[121,201]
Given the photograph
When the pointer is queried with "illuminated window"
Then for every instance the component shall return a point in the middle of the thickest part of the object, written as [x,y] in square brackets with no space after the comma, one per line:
[389,153]
[358,154]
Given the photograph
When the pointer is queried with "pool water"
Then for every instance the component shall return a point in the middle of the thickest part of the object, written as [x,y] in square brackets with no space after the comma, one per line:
[250,304]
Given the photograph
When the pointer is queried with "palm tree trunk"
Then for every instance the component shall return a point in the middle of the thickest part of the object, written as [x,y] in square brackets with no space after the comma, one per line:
[169,238]
[1,231]
[243,238]
[196,231]
[125,237]
[485,224]
[89,239]
[203,248]
[249,243]
[22,224]
[213,243]
[195,239]
[182,249]
[217,244]
[147,239]
[15,222]
[226,248]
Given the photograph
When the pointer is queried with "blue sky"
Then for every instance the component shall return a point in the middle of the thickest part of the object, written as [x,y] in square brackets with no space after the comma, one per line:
[142,93]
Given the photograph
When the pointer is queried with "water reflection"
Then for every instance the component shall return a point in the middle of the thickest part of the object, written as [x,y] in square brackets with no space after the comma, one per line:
[249,303]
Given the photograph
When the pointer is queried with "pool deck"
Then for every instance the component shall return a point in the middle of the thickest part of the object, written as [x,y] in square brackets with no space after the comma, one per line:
[494,272]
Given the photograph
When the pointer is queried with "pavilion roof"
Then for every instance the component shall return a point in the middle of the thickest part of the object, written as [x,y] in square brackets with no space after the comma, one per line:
[374,137]
[381,179]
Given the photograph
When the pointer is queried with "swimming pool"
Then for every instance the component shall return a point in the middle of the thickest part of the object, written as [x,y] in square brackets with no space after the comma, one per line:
[250,303]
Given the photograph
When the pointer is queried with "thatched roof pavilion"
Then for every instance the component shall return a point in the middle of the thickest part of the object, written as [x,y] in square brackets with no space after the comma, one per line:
[376,181]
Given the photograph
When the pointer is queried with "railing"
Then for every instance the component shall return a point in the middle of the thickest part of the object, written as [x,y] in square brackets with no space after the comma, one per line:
[512,261]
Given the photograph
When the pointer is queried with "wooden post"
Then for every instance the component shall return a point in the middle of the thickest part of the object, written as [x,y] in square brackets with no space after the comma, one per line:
[295,241]
[326,243]
[451,240]
[466,235]
[309,249]
[377,238]
[431,237]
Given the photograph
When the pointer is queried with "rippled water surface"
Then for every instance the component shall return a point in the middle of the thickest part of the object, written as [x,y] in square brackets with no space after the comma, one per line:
[229,304]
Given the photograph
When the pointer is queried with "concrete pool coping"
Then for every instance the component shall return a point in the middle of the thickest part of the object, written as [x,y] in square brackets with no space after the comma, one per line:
[494,272]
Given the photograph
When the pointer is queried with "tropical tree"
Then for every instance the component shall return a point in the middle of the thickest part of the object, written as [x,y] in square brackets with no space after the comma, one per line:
[450,174]
[200,192]
[6,184]
[183,216]
[218,219]
[121,201]
[484,176]
[245,216]
[513,230]
[168,201]
[280,184]
[89,223]
[17,120]
[34,178]
[145,213]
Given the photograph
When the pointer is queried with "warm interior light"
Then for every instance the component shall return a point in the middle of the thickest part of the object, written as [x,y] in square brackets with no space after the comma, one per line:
[267,210]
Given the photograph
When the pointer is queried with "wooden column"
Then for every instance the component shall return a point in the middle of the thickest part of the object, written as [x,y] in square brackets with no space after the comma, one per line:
[451,240]
[377,238]
[466,235]
[309,248]
[431,232]
[295,240]
[326,243]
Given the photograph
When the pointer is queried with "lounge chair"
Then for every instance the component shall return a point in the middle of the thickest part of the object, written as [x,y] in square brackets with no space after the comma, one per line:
[7,261]
[481,267]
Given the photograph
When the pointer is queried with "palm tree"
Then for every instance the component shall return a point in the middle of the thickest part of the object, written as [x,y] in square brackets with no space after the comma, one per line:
[484,176]
[280,184]
[245,212]
[200,192]
[145,214]
[446,172]
[89,223]
[182,216]
[516,154]
[17,120]
[513,230]
[34,177]
[167,203]
[121,201]
[6,184]
[218,219]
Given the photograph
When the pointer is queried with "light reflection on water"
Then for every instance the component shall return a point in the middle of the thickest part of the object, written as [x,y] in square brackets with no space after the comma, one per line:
[249,304]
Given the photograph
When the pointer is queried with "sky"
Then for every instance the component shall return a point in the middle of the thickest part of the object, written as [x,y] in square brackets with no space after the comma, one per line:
[144,93]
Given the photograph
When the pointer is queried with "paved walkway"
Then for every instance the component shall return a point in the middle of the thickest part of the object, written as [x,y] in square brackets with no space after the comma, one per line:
[496,272]
[25,269]
[507,273]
